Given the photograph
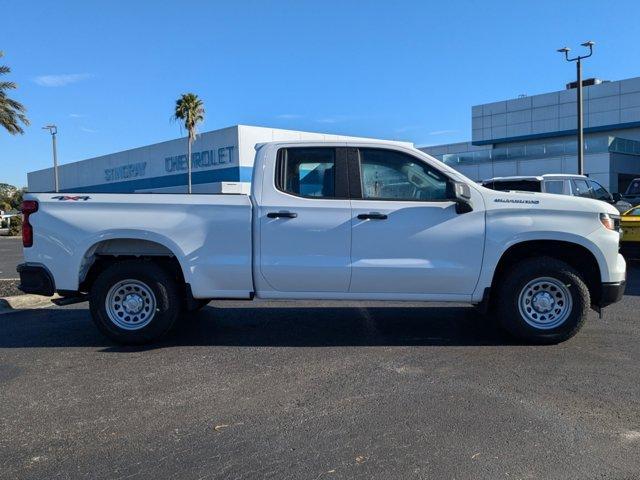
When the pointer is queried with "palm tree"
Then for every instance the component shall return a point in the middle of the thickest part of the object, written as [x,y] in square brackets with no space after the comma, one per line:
[11,112]
[189,109]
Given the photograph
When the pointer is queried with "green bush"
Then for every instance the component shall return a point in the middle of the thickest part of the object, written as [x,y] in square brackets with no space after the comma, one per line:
[3,224]
[16,226]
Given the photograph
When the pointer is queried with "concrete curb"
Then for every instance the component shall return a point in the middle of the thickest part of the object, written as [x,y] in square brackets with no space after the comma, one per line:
[24,302]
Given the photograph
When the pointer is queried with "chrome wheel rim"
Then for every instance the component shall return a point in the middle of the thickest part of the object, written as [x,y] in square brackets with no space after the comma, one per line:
[130,304]
[545,303]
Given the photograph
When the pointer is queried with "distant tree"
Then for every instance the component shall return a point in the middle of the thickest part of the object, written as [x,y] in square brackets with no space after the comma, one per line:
[15,200]
[15,227]
[6,190]
[12,113]
[190,110]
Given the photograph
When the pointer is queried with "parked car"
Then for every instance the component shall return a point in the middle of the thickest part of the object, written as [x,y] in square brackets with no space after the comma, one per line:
[630,223]
[632,195]
[562,184]
[327,221]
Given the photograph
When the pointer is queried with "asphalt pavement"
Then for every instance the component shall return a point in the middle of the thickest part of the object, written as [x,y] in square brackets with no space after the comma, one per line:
[320,391]
[10,256]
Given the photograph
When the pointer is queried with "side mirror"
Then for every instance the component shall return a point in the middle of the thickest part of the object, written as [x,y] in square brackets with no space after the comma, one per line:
[462,195]
[616,197]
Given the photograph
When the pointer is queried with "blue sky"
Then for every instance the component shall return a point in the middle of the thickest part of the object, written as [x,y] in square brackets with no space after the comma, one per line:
[108,72]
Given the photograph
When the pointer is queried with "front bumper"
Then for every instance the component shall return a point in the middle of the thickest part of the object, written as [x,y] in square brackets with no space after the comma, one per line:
[35,279]
[611,293]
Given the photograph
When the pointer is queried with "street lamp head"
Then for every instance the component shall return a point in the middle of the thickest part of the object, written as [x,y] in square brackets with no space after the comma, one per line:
[589,44]
[564,50]
[52,128]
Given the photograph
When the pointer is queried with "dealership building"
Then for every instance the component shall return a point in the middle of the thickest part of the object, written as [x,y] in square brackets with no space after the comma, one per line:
[534,135]
[530,135]
[222,161]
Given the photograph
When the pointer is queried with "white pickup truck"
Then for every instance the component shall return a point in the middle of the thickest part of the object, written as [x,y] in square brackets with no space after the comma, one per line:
[327,221]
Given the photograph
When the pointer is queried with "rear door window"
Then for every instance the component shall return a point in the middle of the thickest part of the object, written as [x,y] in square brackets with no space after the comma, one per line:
[554,186]
[307,172]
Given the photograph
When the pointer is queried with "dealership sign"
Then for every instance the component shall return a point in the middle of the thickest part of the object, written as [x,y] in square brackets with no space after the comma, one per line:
[125,172]
[172,164]
[204,159]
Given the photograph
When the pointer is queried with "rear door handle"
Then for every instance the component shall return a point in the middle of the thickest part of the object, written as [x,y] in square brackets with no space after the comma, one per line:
[372,216]
[282,215]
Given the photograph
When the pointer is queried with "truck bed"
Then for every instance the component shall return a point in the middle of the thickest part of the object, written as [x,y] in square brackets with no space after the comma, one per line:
[209,234]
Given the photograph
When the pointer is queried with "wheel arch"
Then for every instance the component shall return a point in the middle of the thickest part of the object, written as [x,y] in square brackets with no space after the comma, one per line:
[103,252]
[578,256]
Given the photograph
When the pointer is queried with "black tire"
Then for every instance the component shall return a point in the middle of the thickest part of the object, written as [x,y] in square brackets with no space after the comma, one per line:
[197,304]
[517,282]
[161,288]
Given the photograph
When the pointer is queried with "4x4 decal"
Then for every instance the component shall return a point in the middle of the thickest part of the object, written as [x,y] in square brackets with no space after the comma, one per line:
[75,198]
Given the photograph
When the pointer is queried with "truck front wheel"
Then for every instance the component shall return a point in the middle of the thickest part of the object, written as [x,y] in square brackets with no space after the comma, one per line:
[542,300]
[134,302]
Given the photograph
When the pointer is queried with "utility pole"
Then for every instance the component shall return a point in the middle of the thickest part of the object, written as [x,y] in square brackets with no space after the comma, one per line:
[54,130]
[580,127]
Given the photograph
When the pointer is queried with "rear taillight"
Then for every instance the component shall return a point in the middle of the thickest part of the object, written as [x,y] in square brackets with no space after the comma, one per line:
[28,207]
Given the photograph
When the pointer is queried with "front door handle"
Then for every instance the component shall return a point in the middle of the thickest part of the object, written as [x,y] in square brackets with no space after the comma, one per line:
[282,215]
[372,216]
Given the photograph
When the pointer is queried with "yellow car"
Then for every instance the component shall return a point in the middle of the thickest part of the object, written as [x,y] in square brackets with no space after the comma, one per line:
[630,223]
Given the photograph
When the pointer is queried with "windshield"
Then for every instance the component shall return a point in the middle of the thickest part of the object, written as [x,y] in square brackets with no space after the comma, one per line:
[635,212]
[634,187]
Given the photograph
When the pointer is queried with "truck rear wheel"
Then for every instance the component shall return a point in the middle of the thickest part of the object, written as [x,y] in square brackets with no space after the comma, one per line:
[542,300]
[134,302]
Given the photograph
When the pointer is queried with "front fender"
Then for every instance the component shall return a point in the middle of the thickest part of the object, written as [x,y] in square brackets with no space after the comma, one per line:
[497,247]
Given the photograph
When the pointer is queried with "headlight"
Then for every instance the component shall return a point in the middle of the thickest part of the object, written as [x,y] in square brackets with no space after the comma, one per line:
[610,222]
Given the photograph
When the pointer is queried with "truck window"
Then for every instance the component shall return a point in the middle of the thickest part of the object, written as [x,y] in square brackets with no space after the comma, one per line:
[307,172]
[634,188]
[516,185]
[582,188]
[391,175]
[599,191]
[554,186]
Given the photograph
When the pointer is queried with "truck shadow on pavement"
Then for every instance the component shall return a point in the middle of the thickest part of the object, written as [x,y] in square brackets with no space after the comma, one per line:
[273,324]
[633,278]
[268,326]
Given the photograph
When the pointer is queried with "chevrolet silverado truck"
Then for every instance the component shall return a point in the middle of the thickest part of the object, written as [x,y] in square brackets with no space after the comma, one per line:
[327,221]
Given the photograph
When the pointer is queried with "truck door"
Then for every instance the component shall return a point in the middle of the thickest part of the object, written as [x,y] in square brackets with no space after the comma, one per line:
[407,236]
[305,222]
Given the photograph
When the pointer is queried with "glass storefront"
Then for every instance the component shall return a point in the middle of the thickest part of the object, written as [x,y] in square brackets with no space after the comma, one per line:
[543,150]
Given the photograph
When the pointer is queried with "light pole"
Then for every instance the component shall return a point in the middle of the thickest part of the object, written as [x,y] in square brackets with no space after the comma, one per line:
[54,130]
[578,61]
